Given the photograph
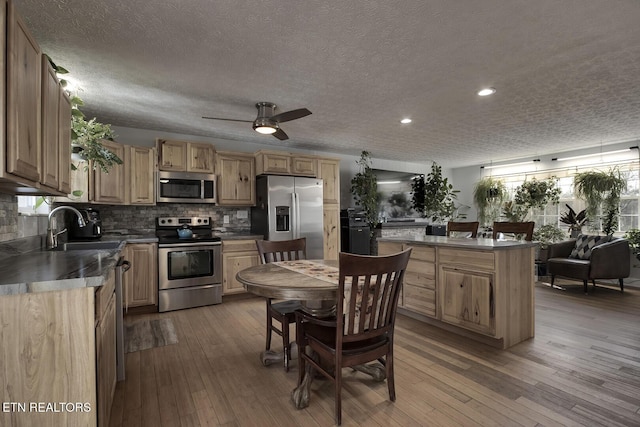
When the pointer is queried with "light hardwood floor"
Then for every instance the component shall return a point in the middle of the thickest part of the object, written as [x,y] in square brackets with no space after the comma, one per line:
[582,368]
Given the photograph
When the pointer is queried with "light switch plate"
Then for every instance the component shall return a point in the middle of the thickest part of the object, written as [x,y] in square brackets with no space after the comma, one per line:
[225,219]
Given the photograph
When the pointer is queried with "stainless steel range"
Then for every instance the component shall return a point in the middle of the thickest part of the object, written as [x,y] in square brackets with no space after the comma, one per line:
[189,263]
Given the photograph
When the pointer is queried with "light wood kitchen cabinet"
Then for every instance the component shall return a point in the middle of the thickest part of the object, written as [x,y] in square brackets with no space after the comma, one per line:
[106,361]
[304,165]
[331,227]
[470,286]
[236,255]
[142,166]
[64,136]
[237,179]
[50,136]
[140,282]
[272,162]
[23,133]
[329,171]
[185,156]
[112,187]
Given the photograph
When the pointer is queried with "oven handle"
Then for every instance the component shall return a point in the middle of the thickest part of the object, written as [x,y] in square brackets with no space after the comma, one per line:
[189,245]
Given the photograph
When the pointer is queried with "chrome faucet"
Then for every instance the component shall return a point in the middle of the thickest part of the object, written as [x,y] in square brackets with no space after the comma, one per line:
[52,237]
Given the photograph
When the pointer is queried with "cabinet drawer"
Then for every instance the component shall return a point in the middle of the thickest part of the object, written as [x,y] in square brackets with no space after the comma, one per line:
[481,259]
[388,248]
[422,253]
[422,270]
[239,245]
[419,299]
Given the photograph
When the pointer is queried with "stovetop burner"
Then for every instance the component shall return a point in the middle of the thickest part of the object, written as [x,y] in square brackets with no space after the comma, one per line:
[167,230]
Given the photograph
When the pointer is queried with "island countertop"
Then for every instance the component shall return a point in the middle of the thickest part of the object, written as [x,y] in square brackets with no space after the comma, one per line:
[454,242]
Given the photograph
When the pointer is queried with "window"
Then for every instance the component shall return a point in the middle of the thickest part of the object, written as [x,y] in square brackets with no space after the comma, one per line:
[34,205]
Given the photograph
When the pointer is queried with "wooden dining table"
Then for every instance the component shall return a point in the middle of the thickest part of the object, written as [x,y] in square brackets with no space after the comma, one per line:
[312,282]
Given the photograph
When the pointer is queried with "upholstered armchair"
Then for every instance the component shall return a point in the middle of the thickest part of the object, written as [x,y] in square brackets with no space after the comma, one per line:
[610,260]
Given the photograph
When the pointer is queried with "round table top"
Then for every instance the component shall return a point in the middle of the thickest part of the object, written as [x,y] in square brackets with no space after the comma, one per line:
[272,281]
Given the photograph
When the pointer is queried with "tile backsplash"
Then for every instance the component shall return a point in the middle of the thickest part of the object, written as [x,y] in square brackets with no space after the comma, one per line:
[8,217]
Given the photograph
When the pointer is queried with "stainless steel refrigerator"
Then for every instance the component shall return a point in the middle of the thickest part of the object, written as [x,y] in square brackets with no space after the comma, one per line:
[288,208]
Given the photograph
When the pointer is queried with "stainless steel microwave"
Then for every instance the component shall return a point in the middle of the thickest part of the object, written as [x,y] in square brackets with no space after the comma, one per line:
[186,187]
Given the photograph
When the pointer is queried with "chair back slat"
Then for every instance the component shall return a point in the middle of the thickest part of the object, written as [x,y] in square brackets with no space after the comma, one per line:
[469,227]
[282,250]
[369,288]
[516,228]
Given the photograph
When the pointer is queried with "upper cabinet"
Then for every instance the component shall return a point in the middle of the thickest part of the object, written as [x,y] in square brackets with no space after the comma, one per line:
[111,187]
[281,163]
[32,107]
[142,172]
[329,171]
[23,100]
[185,156]
[237,179]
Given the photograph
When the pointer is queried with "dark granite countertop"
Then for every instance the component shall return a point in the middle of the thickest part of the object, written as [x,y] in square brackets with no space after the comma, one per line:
[404,224]
[483,244]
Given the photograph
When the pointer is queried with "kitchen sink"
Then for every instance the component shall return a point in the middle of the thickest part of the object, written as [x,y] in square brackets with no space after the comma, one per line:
[89,245]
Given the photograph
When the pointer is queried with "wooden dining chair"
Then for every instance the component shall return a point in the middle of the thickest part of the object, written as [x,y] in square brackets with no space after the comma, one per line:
[282,312]
[469,227]
[525,228]
[362,330]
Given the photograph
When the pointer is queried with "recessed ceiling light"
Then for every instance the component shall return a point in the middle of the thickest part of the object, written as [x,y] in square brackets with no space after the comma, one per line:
[486,91]
[405,121]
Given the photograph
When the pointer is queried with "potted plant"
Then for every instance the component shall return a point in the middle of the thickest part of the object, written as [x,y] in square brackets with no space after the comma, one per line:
[532,194]
[574,220]
[545,235]
[633,237]
[488,195]
[364,188]
[601,191]
[433,196]
[86,135]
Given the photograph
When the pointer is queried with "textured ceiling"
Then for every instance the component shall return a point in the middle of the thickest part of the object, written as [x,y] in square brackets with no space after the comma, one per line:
[567,73]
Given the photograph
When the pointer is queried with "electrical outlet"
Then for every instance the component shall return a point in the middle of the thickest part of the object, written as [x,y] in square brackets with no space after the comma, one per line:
[225,219]
[242,214]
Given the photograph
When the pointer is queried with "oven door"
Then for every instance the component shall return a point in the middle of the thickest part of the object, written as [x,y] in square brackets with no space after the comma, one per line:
[186,265]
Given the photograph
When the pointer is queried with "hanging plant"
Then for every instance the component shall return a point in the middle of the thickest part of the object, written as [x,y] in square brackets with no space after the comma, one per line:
[601,191]
[86,135]
[364,188]
[488,195]
[532,194]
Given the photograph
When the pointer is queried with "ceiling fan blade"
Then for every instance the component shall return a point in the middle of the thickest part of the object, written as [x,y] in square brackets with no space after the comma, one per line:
[228,120]
[291,115]
[280,134]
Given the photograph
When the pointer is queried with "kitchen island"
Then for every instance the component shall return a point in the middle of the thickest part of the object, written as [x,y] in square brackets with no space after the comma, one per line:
[480,288]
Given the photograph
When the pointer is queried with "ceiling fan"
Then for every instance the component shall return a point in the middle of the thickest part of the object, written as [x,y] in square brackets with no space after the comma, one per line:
[267,122]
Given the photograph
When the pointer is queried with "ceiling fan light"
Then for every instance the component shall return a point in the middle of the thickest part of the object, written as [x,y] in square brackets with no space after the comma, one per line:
[265,130]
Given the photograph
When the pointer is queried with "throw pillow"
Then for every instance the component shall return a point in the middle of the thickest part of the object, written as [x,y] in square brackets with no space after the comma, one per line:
[584,245]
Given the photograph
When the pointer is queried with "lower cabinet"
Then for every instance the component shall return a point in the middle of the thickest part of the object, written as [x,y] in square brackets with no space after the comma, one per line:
[106,361]
[237,255]
[141,281]
[331,226]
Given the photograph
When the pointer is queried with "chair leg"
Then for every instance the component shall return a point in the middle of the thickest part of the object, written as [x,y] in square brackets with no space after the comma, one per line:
[553,279]
[585,282]
[338,386]
[286,347]
[269,326]
[621,285]
[390,381]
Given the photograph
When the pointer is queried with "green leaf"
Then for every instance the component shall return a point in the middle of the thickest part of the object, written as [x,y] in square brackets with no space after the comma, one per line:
[77,193]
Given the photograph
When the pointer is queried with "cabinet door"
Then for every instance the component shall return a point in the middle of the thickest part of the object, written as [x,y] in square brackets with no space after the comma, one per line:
[420,281]
[106,361]
[468,299]
[329,171]
[237,183]
[64,137]
[304,166]
[172,155]
[50,117]
[331,226]
[142,164]
[232,263]
[200,158]
[23,100]
[111,187]
[274,163]
[140,282]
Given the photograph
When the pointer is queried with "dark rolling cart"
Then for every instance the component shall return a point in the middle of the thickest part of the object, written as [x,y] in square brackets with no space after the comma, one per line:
[354,232]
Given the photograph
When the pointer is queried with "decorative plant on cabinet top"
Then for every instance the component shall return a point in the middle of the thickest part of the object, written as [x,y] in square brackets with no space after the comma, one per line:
[601,190]
[532,194]
[364,188]
[433,196]
[488,195]
[88,134]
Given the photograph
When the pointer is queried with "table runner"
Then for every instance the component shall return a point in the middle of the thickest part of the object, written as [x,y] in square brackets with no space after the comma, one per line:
[312,269]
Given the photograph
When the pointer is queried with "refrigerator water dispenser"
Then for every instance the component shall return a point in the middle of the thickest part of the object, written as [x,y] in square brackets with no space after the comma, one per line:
[282,218]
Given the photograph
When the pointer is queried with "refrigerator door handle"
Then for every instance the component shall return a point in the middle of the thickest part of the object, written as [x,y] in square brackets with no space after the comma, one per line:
[296,215]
